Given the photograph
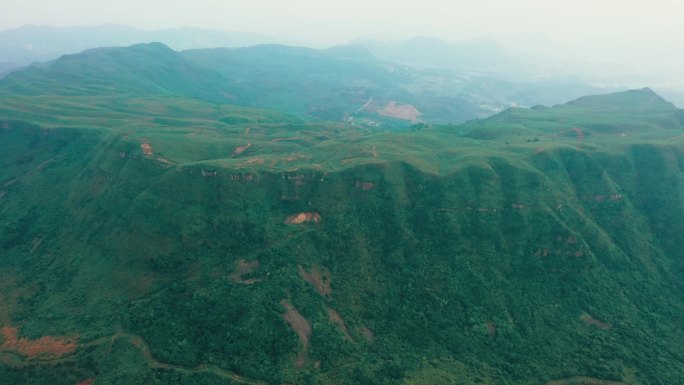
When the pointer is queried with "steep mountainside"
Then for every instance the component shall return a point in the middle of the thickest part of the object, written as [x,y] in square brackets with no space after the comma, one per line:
[225,248]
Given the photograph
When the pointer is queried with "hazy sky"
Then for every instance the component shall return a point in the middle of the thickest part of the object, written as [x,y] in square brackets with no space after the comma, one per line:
[335,21]
[639,39]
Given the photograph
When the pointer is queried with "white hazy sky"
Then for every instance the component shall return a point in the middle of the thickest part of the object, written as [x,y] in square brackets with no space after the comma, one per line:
[335,21]
[644,38]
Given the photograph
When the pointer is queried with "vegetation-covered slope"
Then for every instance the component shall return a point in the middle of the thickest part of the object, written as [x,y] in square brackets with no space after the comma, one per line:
[641,113]
[143,69]
[266,250]
[338,84]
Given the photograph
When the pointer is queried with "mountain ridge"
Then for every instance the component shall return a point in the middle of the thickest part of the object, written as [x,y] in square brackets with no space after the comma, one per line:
[152,234]
[493,270]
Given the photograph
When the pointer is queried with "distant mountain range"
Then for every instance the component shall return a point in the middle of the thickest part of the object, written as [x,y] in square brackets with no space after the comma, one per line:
[346,83]
[475,56]
[482,59]
[33,43]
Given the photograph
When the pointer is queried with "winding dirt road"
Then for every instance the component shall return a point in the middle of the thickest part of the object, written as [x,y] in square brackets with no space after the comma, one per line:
[17,361]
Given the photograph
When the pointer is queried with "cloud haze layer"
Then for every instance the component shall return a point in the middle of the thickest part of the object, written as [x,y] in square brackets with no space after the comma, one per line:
[336,20]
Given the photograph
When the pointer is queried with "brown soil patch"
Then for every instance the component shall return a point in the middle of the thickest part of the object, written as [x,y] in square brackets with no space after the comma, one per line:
[88,381]
[251,281]
[335,317]
[583,381]
[17,362]
[301,218]
[296,157]
[400,111]
[365,186]
[146,149]
[254,161]
[319,278]
[367,334]
[242,268]
[44,346]
[240,149]
[589,320]
[301,326]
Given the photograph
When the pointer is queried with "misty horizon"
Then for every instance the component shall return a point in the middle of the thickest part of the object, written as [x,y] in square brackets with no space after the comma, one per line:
[617,65]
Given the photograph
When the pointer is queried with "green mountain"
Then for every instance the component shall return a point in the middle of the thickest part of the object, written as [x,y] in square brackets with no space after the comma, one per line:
[152,234]
[37,43]
[339,84]
[140,69]
[636,112]
[334,84]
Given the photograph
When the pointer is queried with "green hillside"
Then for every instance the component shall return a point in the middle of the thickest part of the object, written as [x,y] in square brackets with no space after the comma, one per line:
[331,84]
[143,69]
[341,84]
[164,239]
[636,113]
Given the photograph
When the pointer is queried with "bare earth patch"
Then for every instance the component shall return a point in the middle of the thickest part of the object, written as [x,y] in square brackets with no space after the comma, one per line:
[88,381]
[13,360]
[335,317]
[589,320]
[400,111]
[244,267]
[319,278]
[368,334]
[253,161]
[301,326]
[44,346]
[146,149]
[165,161]
[301,218]
[240,149]
[365,186]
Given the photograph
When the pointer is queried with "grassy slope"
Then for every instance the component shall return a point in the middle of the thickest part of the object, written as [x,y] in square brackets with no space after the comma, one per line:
[636,113]
[471,261]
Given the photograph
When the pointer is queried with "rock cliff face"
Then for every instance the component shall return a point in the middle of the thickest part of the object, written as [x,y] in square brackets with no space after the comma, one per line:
[566,262]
